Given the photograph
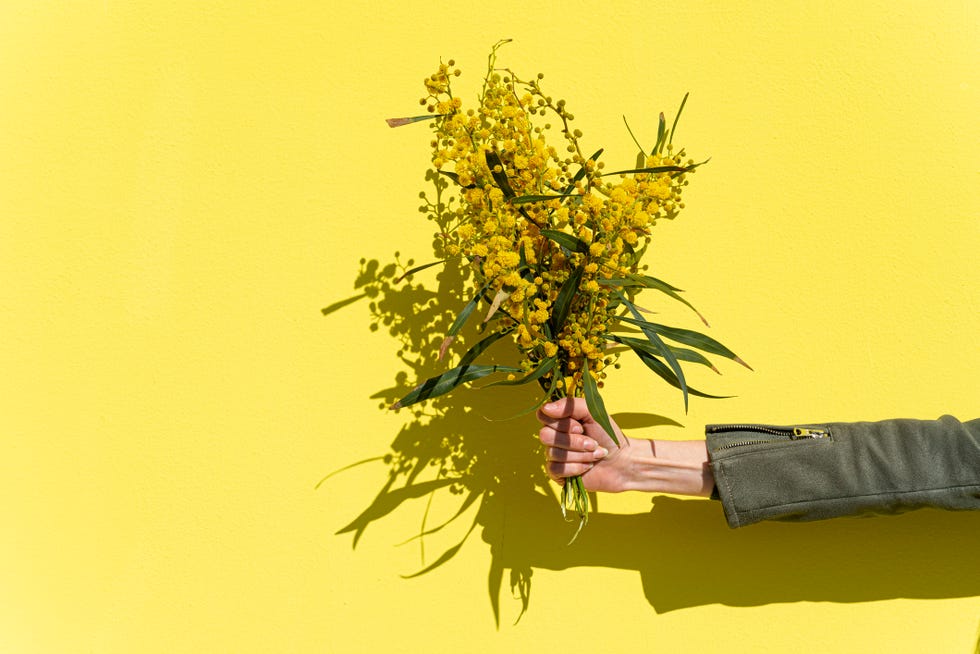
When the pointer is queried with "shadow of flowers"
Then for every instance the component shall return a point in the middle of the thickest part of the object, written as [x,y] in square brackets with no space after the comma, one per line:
[478,447]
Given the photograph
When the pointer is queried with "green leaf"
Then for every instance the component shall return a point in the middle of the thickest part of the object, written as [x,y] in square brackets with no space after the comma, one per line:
[643,281]
[563,303]
[658,343]
[455,178]
[548,394]
[647,281]
[652,169]
[653,282]
[575,498]
[677,117]
[447,381]
[493,161]
[527,199]
[661,133]
[682,354]
[567,241]
[543,369]
[659,367]
[460,321]
[412,271]
[482,345]
[465,313]
[634,141]
[581,173]
[595,404]
[687,337]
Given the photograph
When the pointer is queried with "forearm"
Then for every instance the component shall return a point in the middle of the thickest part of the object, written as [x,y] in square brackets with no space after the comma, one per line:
[676,467]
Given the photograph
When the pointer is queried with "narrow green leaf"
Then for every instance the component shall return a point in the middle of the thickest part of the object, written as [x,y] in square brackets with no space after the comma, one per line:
[567,241]
[527,199]
[634,139]
[635,281]
[563,303]
[575,497]
[673,128]
[681,353]
[687,337]
[460,321]
[493,162]
[465,313]
[455,178]
[581,173]
[652,169]
[482,345]
[548,394]
[543,369]
[447,381]
[653,282]
[661,133]
[641,159]
[595,404]
[659,367]
[658,343]
[647,281]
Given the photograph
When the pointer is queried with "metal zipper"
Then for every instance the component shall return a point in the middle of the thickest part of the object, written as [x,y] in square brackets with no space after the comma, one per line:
[790,433]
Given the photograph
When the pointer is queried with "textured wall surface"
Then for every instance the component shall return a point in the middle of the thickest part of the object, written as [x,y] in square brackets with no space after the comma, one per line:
[183,187]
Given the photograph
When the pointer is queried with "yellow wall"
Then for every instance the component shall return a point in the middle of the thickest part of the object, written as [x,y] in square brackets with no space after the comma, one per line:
[183,186]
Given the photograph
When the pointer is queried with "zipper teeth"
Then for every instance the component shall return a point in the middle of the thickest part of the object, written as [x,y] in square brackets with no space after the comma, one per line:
[756,428]
[790,433]
[744,443]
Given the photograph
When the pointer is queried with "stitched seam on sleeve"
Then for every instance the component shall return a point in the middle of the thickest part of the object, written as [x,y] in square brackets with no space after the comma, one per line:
[849,497]
[731,496]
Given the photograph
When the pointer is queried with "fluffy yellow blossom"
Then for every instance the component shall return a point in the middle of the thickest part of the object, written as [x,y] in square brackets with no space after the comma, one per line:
[499,151]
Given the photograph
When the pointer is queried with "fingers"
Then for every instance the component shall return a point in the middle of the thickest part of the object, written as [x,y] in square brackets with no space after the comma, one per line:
[558,455]
[556,438]
[558,471]
[566,425]
[567,407]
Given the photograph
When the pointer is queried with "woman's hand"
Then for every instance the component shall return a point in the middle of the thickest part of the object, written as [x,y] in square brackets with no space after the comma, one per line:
[577,445]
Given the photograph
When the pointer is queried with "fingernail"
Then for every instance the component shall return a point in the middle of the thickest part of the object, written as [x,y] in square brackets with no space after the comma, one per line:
[601,452]
[590,444]
[550,406]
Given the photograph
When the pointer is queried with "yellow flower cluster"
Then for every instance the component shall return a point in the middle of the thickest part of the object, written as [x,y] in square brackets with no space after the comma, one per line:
[533,217]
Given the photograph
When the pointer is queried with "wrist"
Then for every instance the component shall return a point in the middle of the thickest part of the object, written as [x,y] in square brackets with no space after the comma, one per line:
[675,467]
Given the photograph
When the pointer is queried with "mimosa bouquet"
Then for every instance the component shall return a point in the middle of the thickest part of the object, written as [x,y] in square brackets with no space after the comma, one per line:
[554,244]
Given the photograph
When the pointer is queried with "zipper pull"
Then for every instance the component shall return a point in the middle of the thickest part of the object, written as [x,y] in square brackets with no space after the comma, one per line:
[806,432]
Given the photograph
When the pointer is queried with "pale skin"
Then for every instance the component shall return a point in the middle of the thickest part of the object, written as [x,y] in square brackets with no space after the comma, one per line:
[577,445]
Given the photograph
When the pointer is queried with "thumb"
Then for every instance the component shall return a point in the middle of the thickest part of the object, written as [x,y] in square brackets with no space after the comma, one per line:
[568,407]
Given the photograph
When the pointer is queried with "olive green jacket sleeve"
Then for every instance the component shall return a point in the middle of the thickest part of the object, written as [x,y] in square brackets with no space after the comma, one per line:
[825,470]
